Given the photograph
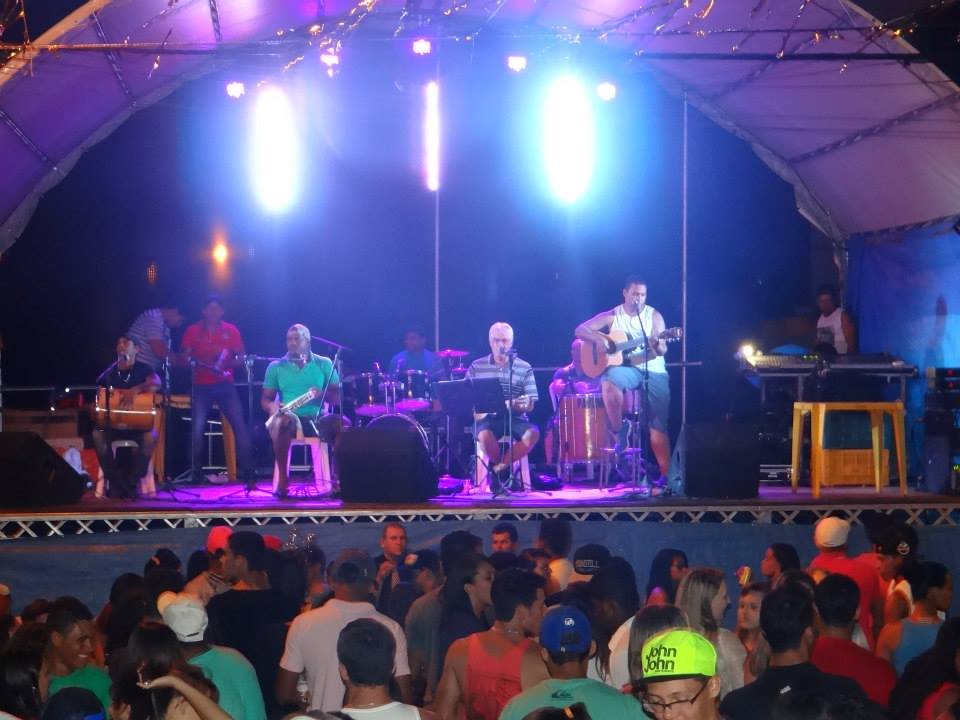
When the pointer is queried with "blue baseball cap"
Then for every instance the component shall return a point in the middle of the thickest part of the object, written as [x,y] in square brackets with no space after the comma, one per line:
[565,630]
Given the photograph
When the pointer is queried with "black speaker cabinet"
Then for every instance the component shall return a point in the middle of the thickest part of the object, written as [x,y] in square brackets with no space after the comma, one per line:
[717,460]
[32,474]
[385,462]
[937,450]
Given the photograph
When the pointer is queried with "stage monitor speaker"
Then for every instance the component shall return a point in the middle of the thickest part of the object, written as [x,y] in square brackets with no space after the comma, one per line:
[385,465]
[717,460]
[32,474]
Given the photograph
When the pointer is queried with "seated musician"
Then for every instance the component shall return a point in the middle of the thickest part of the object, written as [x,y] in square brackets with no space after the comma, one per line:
[288,379]
[415,356]
[570,380]
[129,379]
[635,318]
[520,390]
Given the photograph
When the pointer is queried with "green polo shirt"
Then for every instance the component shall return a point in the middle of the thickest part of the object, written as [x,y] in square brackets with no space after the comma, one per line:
[292,381]
[89,677]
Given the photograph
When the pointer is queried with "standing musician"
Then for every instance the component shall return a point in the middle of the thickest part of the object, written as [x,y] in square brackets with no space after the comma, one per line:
[836,331]
[301,371]
[520,390]
[634,317]
[415,356]
[151,333]
[128,378]
[216,346]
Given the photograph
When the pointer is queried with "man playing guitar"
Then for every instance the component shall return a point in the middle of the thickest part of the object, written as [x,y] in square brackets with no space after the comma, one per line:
[520,389]
[292,390]
[636,319]
[125,380]
[215,346]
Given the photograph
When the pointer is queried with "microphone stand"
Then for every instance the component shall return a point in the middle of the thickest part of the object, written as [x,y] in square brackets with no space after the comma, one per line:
[337,362]
[108,429]
[642,489]
[169,486]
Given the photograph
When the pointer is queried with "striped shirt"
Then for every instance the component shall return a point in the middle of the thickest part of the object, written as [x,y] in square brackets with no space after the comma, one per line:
[523,382]
[149,325]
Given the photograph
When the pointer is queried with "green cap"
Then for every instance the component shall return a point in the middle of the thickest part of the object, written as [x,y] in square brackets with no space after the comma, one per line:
[677,654]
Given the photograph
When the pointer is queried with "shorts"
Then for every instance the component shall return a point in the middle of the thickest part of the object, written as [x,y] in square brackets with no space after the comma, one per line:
[497,424]
[628,377]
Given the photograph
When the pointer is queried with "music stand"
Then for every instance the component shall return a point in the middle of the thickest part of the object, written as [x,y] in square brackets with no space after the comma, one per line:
[471,396]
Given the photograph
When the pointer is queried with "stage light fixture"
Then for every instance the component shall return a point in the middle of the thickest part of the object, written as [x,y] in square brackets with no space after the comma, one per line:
[220,253]
[236,89]
[431,136]
[330,58]
[422,46]
[746,351]
[517,63]
[569,142]
[274,150]
[606,91]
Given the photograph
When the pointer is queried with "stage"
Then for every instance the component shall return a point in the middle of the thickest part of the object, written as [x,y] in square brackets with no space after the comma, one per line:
[90,543]
[200,506]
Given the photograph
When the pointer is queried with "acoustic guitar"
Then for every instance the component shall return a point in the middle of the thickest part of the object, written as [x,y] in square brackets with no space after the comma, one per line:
[592,360]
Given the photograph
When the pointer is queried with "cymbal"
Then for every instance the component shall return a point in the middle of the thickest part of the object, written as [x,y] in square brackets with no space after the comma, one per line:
[451,353]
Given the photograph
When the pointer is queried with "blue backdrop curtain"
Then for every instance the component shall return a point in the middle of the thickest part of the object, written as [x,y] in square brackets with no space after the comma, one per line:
[904,291]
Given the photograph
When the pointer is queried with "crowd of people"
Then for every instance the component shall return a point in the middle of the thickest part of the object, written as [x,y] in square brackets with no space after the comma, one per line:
[252,629]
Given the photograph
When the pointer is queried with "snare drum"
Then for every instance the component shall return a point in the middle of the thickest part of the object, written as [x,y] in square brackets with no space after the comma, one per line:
[414,393]
[582,427]
[368,394]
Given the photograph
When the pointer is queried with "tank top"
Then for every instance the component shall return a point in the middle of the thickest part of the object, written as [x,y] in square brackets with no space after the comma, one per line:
[830,331]
[630,324]
[914,639]
[491,681]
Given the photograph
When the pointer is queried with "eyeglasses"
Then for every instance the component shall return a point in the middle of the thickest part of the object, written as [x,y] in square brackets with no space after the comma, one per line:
[659,708]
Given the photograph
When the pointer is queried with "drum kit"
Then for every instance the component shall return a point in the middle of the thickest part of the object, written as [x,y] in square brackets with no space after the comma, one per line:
[406,392]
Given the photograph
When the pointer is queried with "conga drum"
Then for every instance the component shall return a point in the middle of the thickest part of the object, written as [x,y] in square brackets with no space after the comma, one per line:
[582,429]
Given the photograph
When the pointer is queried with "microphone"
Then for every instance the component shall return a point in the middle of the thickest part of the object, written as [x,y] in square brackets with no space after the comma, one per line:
[102,377]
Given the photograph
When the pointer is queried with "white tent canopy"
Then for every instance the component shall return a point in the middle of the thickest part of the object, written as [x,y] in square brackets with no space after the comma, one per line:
[868,143]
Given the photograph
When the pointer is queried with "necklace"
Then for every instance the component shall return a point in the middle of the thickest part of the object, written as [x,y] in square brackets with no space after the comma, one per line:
[126,379]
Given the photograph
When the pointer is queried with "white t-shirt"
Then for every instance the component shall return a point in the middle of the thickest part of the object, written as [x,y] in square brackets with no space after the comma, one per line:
[619,650]
[619,645]
[390,711]
[312,648]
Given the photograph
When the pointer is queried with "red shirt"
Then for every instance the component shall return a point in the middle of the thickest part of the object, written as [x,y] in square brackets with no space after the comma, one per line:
[206,345]
[866,579]
[843,657]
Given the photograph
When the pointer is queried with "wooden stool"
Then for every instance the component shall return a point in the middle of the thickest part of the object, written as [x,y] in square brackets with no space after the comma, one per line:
[818,413]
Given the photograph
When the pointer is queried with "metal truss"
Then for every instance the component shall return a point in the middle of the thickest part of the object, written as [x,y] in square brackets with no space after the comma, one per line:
[54,525]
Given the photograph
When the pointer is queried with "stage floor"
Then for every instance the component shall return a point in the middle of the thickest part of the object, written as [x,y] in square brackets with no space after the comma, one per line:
[199,506]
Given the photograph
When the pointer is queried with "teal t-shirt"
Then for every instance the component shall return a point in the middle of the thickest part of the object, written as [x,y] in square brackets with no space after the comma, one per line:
[292,381]
[602,701]
[89,677]
[236,681]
